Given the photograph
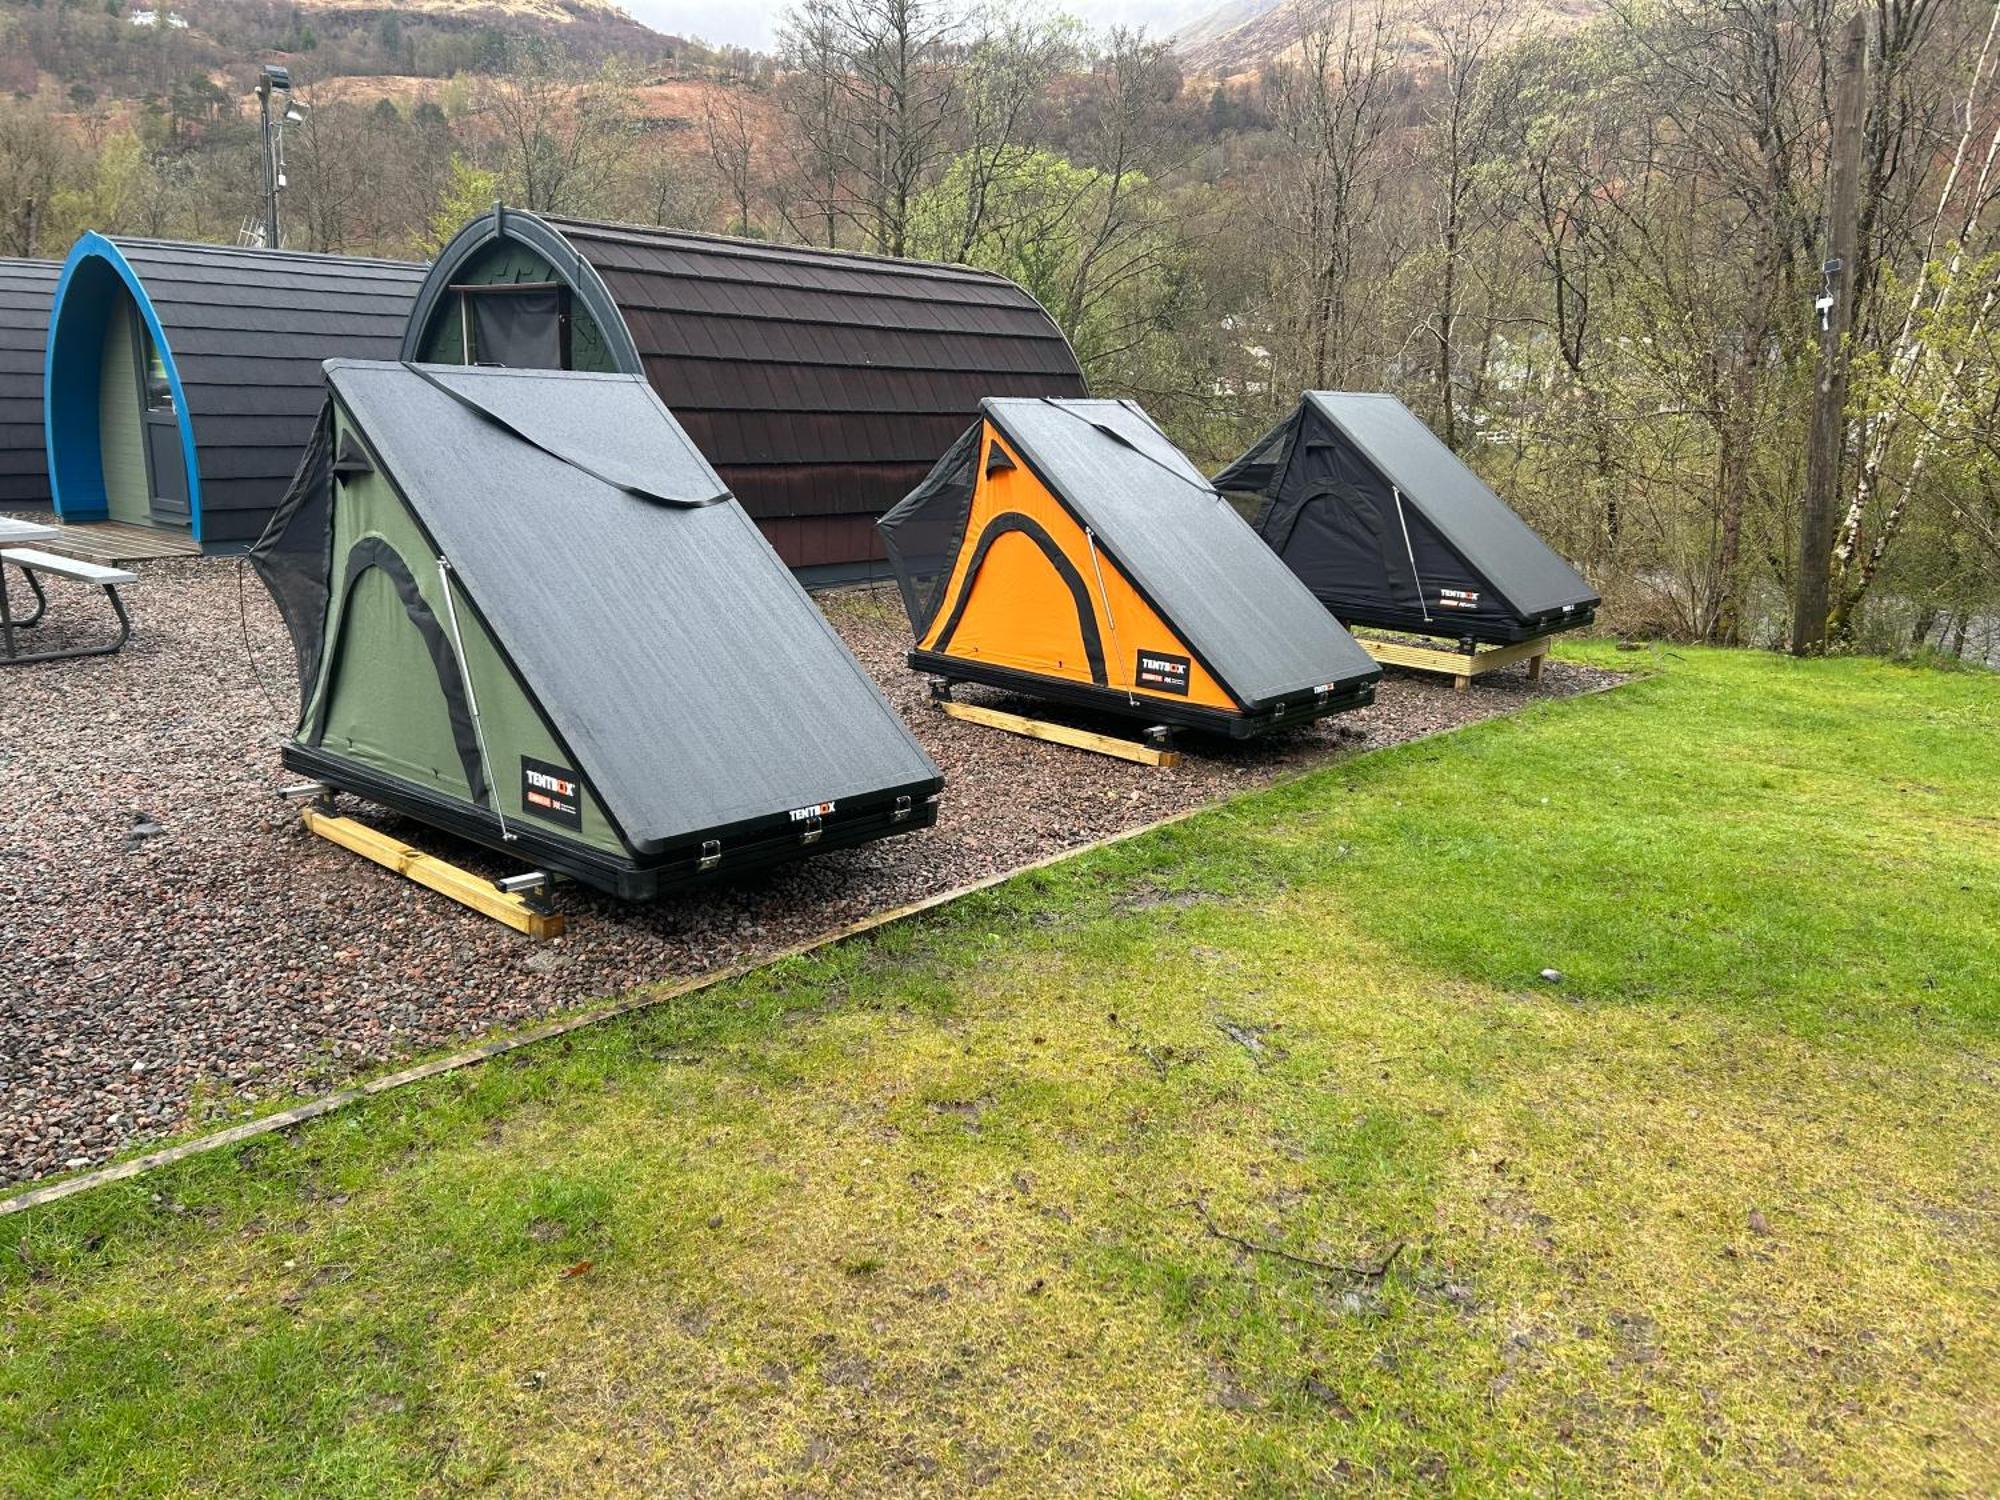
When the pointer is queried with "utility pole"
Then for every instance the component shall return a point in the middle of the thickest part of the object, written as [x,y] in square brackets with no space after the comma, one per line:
[274,79]
[1836,318]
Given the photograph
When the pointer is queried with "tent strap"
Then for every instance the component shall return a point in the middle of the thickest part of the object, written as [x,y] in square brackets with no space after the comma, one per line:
[1411,553]
[507,835]
[1103,598]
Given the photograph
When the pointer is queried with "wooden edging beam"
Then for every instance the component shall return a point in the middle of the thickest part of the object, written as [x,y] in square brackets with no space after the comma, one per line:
[447,879]
[327,1104]
[1061,734]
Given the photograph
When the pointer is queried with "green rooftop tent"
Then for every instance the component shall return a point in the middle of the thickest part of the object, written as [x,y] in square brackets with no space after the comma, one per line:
[527,611]
[1388,527]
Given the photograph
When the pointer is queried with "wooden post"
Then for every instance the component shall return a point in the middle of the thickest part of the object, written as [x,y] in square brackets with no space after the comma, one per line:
[1829,412]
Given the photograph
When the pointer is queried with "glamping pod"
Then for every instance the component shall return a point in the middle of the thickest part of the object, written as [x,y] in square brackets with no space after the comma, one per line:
[183,380]
[26,289]
[821,384]
[1068,550]
[527,611]
[1389,528]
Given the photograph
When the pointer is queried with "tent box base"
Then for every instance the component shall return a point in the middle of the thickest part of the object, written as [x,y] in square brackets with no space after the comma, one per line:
[1302,708]
[630,879]
[1479,633]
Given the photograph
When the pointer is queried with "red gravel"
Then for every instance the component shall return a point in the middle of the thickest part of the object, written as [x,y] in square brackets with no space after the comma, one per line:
[151,980]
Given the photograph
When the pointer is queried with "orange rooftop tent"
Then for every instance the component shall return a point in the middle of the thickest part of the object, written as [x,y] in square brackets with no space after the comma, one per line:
[1068,550]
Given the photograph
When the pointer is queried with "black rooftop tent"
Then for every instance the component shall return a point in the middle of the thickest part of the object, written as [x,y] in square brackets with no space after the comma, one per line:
[1067,549]
[26,289]
[528,612]
[1388,527]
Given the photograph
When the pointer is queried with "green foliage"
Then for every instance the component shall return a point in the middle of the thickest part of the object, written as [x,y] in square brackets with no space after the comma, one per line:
[469,192]
[1052,225]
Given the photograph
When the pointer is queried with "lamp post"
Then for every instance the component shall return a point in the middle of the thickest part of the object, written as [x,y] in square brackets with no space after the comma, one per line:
[275,79]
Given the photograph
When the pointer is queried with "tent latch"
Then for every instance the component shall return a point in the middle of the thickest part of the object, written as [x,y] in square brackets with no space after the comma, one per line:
[902,812]
[810,829]
[711,854]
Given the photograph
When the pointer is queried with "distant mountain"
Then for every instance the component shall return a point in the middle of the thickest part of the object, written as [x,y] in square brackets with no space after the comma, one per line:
[516,13]
[93,55]
[1242,36]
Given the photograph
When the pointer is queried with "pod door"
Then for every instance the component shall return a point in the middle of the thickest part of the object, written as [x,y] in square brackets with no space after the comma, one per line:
[166,464]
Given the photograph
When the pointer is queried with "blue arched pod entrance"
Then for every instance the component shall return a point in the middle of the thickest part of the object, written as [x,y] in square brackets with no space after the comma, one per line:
[100,300]
[233,339]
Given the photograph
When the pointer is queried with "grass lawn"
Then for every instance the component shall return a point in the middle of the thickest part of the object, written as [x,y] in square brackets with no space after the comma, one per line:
[967,1204]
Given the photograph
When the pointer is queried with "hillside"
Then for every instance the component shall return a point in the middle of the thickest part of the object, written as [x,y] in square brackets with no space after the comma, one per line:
[70,56]
[1243,36]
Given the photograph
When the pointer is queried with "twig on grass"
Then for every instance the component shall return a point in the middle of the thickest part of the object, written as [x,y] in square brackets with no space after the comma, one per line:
[1140,1044]
[1327,1267]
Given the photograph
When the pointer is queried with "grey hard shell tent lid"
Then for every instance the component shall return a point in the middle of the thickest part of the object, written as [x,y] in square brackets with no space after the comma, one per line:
[1155,515]
[1423,542]
[673,658]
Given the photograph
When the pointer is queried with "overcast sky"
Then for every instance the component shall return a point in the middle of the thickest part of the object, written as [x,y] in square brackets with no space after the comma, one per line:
[754,23]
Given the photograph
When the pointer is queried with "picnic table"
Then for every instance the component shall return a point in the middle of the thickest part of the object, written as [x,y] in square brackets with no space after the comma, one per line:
[33,562]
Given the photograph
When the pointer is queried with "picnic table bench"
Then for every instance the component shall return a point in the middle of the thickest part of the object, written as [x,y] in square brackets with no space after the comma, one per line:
[33,562]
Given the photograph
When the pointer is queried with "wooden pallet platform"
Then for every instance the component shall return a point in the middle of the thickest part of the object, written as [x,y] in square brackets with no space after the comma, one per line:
[1061,734]
[114,542]
[1460,666]
[468,890]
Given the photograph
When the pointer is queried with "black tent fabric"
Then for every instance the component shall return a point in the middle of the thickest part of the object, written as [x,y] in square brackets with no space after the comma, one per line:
[1388,527]
[656,633]
[922,533]
[294,557]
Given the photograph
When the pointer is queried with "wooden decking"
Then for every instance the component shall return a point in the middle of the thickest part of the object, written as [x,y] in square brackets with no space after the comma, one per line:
[114,542]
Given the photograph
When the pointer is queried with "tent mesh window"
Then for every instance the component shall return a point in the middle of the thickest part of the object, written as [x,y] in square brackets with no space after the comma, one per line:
[295,555]
[922,535]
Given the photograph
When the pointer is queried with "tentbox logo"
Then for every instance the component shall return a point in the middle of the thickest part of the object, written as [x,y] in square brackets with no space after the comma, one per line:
[1163,673]
[553,793]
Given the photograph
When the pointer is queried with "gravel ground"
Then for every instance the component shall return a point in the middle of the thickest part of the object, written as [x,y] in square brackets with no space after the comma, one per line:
[174,947]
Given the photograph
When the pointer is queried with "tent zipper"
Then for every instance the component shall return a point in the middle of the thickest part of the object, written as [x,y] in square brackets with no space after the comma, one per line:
[1408,551]
[471,700]
[1103,598]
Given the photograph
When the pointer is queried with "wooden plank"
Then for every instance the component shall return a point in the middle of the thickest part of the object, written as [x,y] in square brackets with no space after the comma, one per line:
[1506,656]
[1422,658]
[1061,734]
[1460,666]
[435,874]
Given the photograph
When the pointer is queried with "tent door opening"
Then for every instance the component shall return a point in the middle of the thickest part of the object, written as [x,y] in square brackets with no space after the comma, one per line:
[520,325]
[166,464]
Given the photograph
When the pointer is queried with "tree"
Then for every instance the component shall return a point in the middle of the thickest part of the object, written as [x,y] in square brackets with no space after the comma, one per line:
[562,131]
[1330,107]
[1460,125]
[732,149]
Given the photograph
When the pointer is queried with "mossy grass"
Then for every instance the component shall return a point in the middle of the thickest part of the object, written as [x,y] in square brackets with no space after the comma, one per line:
[966,1203]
